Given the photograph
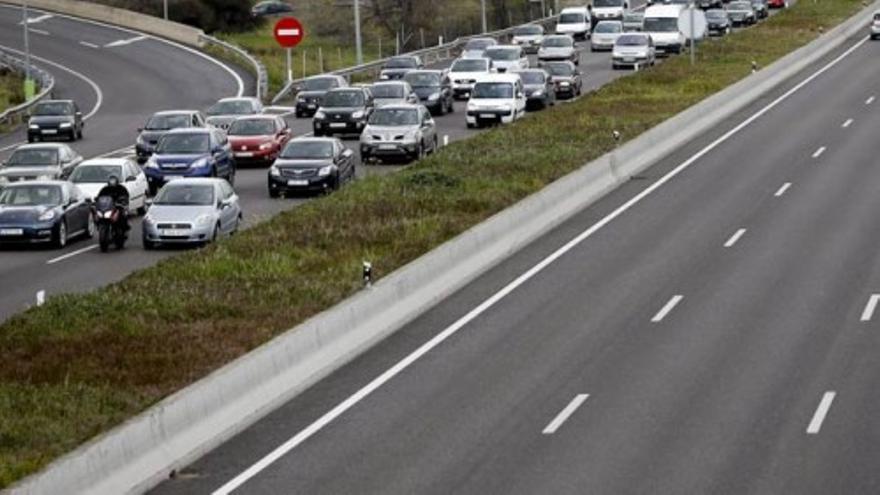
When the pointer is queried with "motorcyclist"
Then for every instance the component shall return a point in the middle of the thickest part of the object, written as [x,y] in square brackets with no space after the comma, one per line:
[120,197]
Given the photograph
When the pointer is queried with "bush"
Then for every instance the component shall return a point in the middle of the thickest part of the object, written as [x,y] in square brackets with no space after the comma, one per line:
[208,15]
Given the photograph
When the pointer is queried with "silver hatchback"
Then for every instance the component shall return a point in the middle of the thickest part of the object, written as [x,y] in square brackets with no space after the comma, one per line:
[192,211]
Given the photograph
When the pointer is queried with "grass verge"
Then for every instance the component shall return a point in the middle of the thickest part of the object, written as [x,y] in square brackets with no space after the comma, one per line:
[81,363]
[11,91]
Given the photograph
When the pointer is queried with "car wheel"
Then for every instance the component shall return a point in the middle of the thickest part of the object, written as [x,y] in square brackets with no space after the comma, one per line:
[61,235]
[451,106]
[470,126]
[79,134]
[216,234]
[142,209]
[274,193]
[30,138]
[422,152]
[149,245]
[434,148]
[90,228]
[230,177]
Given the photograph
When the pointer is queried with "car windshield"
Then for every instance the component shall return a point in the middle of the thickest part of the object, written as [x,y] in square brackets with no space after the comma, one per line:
[90,174]
[716,14]
[388,91]
[630,40]
[607,3]
[532,77]
[608,27]
[167,122]
[234,107]
[559,69]
[252,127]
[53,108]
[31,195]
[185,195]
[529,30]
[739,6]
[503,53]
[571,18]
[493,90]
[423,79]
[319,84]
[470,65]
[308,150]
[33,157]
[344,99]
[395,116]
[187,144]
[479,44]
[558,42]
[402,63]
[661,24]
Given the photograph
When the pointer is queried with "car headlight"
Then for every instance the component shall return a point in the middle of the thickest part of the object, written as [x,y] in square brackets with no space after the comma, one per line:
[411,136]
[151,163]
[4,179]
[265,146]
[47,215]
[65,125]
[538,93]
[325,171]
[300,99]
[320,115]
[33,126]
[565,83]
[139,140]
[358,115]
[274,171]
[201,162]
[434,97]
[204,220]
[45,177]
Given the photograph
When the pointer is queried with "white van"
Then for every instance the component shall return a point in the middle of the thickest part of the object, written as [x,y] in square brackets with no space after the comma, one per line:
[496,98]
[661,23]
[609,9]
[574,21]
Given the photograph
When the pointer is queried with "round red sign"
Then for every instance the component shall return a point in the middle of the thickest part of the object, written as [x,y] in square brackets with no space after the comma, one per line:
[289,32]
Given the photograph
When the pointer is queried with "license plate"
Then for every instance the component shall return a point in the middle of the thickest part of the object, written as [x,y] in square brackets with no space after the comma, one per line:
[387,147]
[297,183]
[175,232]
[244,154]
[629,59]
[311,106]
[49,131]
[338,125]
[11,232]
[169,178]
[487,115]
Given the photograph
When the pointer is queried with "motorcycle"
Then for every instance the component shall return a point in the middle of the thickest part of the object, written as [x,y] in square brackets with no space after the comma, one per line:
[110,221]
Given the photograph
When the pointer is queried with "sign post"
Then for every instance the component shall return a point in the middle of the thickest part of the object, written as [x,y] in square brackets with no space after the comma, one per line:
[289,32]
[692,23]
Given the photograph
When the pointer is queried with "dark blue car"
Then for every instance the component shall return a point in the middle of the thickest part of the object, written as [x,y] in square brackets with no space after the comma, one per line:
[43,212]
[190,153]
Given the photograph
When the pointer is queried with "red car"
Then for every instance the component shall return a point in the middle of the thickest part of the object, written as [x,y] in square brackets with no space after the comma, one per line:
[258,138]
[776,4]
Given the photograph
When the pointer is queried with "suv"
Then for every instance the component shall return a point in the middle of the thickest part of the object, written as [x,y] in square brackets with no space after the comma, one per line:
[190,153]
[343,111]
[405,131]
[433,88]
[159,124]
[312,90]
[55,118]
[574,21]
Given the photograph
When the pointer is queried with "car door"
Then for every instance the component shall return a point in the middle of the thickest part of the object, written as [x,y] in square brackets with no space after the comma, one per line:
[446,89]
[69,160]
[520,97]
[429,129]
[77,211]
[78,122]
[136,183]
[229,207]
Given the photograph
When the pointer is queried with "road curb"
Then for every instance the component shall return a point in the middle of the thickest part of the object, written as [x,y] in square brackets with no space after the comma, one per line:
[144,450]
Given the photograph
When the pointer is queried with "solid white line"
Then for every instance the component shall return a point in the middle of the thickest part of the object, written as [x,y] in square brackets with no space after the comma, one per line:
[869,100]
[782,189]
[868,313]
[193,51]
[39,31]
[90,45]
[667,308]
[565,413]
[847,123]
[821,412]
[818,152]
[380,380]
[735,237]
[34,20]
[71,254]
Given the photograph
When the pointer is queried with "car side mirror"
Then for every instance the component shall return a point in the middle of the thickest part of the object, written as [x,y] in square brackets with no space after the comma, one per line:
[348,153]
[519,94]
[140,129]
[130,178]
[148,202]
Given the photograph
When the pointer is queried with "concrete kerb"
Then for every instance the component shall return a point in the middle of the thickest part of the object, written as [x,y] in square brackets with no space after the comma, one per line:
[182,427]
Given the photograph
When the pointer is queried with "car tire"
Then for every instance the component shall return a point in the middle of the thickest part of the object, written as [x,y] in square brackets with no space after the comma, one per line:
[434,148]
[149,245]
[470,126]
[216,234]
[422,153]
[79,134]
[31,139]
[274,193]
[90,228]
[451,105]
[61,235]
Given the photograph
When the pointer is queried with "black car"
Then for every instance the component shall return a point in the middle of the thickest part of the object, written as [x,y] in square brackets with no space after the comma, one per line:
[539,88]
[270,7]
[311,165]
[343,111]
[159,124]
[433,88]
[310,93]
[54,119]
[717,22]
[397,67]
[43,212]
[566,78]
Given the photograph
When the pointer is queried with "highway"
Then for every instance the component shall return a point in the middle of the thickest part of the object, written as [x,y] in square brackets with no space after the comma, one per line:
[163,77]
[709,328]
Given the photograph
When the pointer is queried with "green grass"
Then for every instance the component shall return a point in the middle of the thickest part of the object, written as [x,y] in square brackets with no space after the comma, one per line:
[11,89]
[81,363]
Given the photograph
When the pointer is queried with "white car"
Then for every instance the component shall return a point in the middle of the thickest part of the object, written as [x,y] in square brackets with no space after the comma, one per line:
[633,50]
[529,37]
[875,25]
[605,34]
[661,23]
[609,9]
[91,176]
[497,98]
[574,21]
[465,72]
[507,58]
[558,47]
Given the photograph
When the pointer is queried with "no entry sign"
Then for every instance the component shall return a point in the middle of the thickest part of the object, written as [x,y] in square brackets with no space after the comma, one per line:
[288,32]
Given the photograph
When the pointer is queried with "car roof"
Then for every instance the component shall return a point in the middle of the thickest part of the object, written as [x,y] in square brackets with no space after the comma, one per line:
[399,106]
[96,162]
[238,98]
[56,101]
[191,130]
[176,112]
[508,78]
[42,146]
[672,10]
[346,88]
[609,21]
[504,47]
[258,116]
[37,183]
[389,83]
[195,181]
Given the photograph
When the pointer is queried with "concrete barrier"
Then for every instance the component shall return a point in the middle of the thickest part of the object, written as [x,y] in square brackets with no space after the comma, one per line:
[173,31]
[144,450]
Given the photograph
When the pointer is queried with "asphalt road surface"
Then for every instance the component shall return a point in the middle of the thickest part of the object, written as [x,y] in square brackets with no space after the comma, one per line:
[713,331]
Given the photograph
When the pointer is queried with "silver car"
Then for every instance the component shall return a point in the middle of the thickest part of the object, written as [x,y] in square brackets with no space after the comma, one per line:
[192,211]
[399,131]
[392,93]
[47,161]
[222,113]
[558,47]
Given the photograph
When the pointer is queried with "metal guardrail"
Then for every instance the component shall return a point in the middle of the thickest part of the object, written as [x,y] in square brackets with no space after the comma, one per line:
[43,78]
[258,67]
[429,55]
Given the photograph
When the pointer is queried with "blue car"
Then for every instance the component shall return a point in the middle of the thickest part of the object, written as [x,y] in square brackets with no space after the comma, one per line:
[190,153]
[52,211]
